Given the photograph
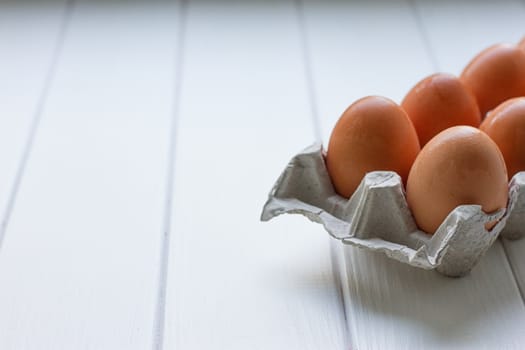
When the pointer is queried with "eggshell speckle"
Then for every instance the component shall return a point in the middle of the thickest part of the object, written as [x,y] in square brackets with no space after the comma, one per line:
[439,102]
[460,165]
[374,133]
[506,126]
[495,75]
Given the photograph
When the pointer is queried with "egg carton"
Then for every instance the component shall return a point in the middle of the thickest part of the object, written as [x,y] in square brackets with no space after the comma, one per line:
[377,217]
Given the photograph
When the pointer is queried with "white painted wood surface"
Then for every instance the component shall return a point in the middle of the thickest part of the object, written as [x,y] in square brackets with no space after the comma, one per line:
[236,283]
[135,224]
[30,36]
[390,305]
[458,30]
[81,253]
[515,253]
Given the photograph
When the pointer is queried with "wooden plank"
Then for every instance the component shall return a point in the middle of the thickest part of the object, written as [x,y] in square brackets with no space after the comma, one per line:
[390,305]
[514,250]
[79,266]
[236,283]
[458,30]
[30,38]
[394,306]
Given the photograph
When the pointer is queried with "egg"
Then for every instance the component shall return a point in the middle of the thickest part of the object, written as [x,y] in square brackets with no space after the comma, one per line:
[506,126]
[439,102]
[374,133]
[460,165]
[495,75]
[521,44]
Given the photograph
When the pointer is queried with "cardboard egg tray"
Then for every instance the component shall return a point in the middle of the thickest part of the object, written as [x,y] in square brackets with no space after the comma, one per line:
[377,216]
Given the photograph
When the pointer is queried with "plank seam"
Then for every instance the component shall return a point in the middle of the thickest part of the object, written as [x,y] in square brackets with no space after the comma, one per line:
[308,71]
[160,309]
[36,119]
[512,269]
[424,35]
[314,113]
[339,272]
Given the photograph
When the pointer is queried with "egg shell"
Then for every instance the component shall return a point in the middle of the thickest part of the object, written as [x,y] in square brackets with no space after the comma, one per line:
[506,126]
[374,133]
[495,75]
[461,165]
[438,102]
[376,218]
[521,44]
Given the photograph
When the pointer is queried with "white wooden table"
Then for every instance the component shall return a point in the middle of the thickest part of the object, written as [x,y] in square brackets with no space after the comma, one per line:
[139,139]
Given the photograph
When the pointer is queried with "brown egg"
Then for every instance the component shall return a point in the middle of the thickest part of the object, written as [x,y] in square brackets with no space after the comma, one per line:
[521,44]
[506,126]
[374,133]
[495,75]
[439,102]
[460,165]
